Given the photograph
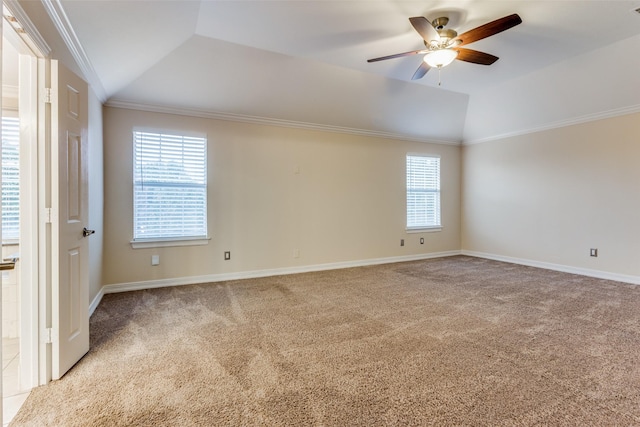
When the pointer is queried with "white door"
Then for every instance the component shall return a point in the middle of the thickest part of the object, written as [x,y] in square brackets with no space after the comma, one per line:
[70,275]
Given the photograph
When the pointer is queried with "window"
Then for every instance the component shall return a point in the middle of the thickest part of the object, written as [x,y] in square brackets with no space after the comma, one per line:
[10,178]
[423,192]
[170,186]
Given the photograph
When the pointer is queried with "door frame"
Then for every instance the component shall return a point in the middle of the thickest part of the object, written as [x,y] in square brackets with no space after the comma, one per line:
[29,218]
[43,254]
[34,166]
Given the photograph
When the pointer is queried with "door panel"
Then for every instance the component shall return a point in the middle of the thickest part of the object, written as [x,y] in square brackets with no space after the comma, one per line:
[74,325]
[74,172]
[70,284]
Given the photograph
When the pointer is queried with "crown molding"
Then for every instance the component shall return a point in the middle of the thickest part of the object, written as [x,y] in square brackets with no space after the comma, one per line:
[118,103]
[65,29]
[616,112]
[29,28]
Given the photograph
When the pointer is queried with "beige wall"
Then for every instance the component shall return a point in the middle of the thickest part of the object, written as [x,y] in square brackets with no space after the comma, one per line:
[346,203]
[551,196]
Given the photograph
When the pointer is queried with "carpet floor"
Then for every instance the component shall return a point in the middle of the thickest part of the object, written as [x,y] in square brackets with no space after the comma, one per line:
[450,341]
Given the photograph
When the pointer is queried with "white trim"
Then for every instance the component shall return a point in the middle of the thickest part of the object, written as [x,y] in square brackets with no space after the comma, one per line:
[192,280]
[423,154]
[27,25]
[433,229]
[169,131]
[44,230]
[623,111]
[635,280]
[270,121]
[63,25]
[165,243]
[96,301]
[29,221]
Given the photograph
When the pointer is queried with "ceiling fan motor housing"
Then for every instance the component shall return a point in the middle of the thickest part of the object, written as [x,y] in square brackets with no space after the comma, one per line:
[446,35]
[440,23]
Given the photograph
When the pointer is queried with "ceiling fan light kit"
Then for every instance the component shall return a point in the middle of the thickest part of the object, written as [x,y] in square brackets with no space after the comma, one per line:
[443,45]
[440,58]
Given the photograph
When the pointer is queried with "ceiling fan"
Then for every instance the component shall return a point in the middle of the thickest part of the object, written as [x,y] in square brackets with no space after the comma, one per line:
[442,45]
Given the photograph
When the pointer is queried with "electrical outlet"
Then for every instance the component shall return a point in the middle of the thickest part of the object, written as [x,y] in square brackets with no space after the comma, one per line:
[401,242]
[155,259]
[593,252]
[227,256]
[296,253]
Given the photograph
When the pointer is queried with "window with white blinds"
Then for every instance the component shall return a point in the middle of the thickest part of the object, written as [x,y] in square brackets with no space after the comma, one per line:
[423,192]
[170,186]
[10,178]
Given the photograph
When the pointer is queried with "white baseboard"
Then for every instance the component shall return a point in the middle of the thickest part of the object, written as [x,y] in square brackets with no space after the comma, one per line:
[635,280]
[96,301]
[191,280]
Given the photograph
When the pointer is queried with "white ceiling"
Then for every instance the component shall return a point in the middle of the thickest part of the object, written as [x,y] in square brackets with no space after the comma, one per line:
[305,61]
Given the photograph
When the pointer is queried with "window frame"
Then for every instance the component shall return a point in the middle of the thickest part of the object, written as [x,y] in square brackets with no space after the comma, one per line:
[427,227]
[167,241]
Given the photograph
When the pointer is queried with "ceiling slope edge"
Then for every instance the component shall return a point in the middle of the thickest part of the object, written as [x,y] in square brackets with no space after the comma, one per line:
[65,29]
[623,111]
[118,103]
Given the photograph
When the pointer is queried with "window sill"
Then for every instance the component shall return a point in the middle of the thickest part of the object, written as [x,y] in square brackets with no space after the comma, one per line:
[424,229]
[164,243]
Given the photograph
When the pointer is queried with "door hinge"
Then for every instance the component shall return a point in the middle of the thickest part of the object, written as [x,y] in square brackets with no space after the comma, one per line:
[48,95]
[47,214]
[49,336]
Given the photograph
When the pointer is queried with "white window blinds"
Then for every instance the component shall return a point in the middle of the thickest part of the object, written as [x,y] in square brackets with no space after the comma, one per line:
[423,192]
[170,186]
[10,178]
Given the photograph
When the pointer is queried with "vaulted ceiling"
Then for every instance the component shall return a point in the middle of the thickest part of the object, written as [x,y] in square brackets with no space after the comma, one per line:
[305,62]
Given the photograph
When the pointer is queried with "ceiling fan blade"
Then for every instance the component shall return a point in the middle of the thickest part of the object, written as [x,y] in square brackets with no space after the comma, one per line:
[424,28]
[397,55]
[469,55]
[486,30]
[421,71]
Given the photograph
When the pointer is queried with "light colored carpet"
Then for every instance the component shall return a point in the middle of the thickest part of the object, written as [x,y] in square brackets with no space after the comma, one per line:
[452,341]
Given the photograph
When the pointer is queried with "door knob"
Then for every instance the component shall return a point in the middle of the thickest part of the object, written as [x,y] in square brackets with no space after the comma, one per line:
[86,232]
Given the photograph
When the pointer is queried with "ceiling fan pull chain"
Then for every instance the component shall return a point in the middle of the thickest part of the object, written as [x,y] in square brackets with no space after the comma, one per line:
[439,70]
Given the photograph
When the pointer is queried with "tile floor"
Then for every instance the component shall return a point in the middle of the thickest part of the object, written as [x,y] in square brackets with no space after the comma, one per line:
[13,398]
